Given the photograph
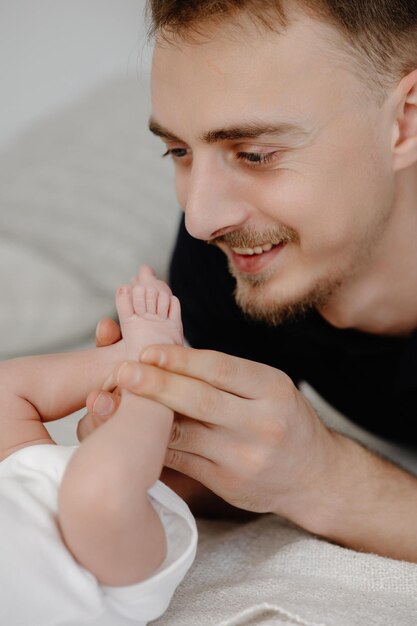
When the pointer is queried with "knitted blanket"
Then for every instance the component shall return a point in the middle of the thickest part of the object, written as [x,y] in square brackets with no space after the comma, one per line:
[268,572]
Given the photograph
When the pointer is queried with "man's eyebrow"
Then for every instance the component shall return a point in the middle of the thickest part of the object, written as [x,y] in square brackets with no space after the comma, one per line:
[232,133]
[160,131]
[253,131]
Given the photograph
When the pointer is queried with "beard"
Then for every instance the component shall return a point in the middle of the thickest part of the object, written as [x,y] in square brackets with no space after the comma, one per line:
[260,299]
[252,297]
[253,293]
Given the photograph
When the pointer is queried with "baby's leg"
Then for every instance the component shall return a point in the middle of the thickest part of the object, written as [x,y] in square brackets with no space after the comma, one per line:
[148,314]
[116,465]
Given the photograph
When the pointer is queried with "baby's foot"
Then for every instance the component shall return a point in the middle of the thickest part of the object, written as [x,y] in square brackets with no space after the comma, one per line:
[148,314]
[146,276]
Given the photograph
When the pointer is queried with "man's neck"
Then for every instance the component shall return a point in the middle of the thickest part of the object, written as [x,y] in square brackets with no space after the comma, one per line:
[382,298]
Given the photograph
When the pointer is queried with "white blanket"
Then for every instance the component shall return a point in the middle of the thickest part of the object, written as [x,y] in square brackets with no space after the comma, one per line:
[268,572]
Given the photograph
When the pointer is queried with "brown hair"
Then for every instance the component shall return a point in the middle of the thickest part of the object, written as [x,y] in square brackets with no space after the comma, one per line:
[381,34]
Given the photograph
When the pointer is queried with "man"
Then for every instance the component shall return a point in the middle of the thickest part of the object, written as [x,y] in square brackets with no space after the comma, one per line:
[293,131]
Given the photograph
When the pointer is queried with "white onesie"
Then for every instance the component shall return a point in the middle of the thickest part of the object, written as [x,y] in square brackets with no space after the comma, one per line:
[41,584]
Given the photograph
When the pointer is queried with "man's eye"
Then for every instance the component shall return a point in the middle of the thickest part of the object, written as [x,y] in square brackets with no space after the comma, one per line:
[256,158]
[176,153]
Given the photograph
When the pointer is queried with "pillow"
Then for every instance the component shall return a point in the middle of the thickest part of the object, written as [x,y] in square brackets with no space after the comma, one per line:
[84,199]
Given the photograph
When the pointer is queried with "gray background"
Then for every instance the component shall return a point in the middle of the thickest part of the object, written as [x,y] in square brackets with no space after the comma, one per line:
[53,51]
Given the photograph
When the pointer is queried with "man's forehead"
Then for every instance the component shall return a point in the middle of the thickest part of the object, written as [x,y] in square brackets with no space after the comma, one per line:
[264,61]
[243,22]
[243,30]
[287,86]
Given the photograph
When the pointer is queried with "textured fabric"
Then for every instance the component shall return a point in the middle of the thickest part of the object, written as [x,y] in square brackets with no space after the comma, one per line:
[41,584]
[267,572]
[371,379]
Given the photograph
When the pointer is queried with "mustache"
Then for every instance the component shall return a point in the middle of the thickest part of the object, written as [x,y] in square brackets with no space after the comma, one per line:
[249,238]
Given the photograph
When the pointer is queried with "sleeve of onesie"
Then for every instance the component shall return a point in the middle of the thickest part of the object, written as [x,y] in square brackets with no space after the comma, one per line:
[150,598]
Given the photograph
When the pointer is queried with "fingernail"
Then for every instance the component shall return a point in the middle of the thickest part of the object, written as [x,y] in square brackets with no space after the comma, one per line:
[128,374]
[153,356]
[103,404]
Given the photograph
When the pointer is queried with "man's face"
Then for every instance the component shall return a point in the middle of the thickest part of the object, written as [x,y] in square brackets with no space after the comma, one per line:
[281,159]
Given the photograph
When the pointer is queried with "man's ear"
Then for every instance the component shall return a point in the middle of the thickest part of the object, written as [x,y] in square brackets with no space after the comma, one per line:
[404,143]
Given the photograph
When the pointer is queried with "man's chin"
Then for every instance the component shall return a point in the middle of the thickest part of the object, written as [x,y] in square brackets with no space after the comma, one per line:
[272,314]
[258,303]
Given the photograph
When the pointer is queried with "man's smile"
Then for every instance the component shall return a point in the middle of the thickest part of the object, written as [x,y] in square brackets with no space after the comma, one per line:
[266,247]
[252,260]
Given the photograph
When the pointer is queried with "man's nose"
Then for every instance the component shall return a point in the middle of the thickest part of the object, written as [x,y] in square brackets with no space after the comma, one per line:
[214,200]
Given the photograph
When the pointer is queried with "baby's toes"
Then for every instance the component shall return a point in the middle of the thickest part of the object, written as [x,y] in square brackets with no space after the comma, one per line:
[139,299]
[151,297]
[162,286]
[146,276]
[164,300]
[175,311]
[124,304]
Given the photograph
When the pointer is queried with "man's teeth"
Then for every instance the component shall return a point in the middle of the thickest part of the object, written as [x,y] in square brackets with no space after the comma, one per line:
[251,251]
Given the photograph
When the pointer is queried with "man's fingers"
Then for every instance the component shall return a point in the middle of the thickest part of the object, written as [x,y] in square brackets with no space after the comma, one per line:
[101,402]
[84,427]
[238,376]
[101,405]
[107,332]
[91,398]
[88,423]
[190,435]
[189,397]
[193,466]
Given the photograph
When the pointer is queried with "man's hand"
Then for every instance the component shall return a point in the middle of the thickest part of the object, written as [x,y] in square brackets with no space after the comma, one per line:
[245,432]
[107,332]
[242,428]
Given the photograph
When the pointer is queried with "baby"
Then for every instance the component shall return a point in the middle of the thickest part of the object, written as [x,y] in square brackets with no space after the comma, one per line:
[88,535]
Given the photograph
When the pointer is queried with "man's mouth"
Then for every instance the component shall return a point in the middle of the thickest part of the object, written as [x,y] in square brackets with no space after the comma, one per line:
[255,260]
[266,247]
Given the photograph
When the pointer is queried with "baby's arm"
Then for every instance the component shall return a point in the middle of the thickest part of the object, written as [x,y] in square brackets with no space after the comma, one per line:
[38,389]
[105,514]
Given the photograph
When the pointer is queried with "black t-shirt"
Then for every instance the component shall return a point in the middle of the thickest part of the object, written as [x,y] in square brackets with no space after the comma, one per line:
[371,379]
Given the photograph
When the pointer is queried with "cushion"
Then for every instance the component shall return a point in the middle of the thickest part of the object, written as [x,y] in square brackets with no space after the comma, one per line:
[85,198]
